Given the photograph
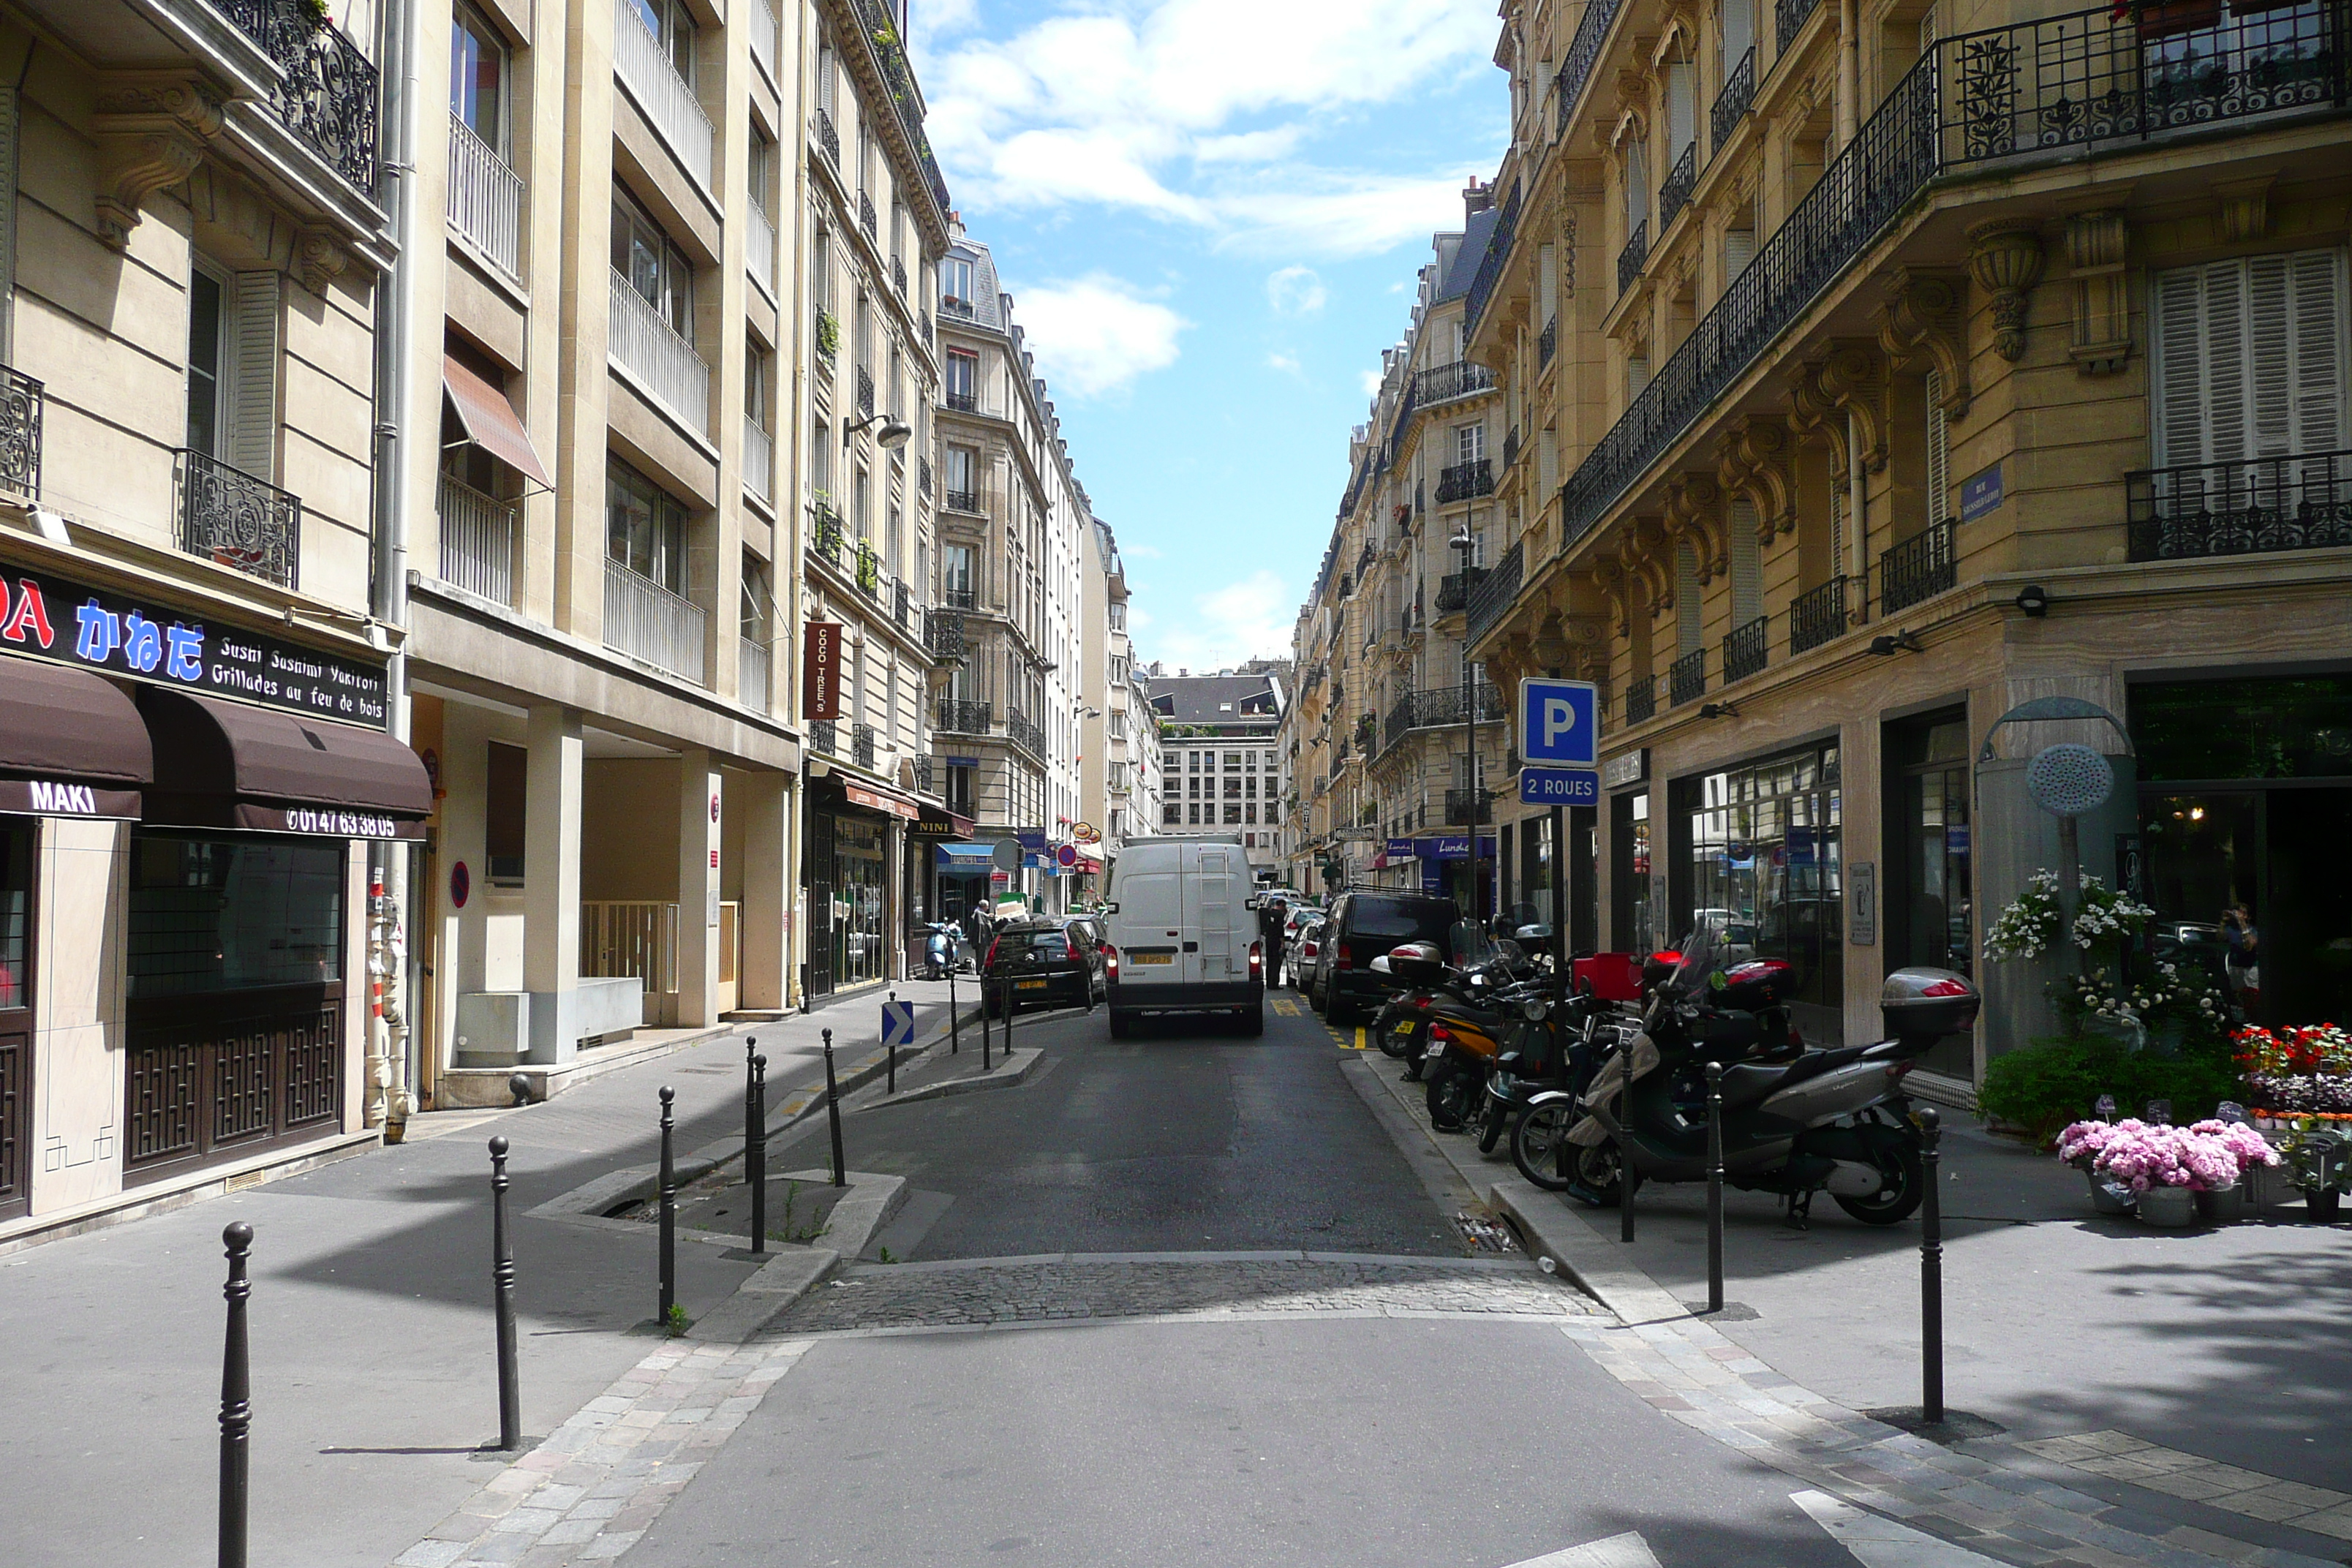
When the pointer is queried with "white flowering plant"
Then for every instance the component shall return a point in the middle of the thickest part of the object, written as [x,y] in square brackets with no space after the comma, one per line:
[2027,926]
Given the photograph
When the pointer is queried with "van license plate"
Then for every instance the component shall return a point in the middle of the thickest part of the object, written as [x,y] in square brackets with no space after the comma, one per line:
[1029,985]
[1141,958]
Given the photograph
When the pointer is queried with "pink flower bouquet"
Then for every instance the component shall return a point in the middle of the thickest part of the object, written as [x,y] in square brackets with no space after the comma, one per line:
[2204,1158]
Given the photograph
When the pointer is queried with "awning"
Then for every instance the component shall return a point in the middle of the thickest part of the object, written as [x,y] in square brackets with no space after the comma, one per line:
[874,797]
[70,743]
[490,421]
[224,764]
[966,857]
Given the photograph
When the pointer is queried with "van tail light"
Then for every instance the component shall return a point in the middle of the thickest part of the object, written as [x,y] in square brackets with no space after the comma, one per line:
[1257,959]
[1341,958]
[1110,961]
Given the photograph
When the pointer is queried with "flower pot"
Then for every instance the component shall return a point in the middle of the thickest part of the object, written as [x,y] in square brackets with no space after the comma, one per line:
[2168,1208]
[2223,1205]
[2108,1197]
[2322,1203]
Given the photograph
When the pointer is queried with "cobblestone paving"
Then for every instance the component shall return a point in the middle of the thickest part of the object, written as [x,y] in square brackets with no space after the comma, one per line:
[1040,1293]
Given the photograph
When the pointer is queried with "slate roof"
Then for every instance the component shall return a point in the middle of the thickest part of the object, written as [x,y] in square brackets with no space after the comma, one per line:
[1466,256]
[1199,698]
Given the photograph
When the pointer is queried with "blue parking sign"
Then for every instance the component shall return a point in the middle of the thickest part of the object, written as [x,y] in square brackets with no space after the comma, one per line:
[1560,723]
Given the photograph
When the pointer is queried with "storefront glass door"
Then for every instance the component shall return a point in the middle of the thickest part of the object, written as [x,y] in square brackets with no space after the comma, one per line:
[1761,867]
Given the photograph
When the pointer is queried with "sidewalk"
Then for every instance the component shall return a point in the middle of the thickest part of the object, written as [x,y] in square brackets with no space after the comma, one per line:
[374,1375]
[2224,1348]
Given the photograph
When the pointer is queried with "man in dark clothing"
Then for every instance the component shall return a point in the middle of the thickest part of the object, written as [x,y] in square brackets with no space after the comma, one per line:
[1273,923]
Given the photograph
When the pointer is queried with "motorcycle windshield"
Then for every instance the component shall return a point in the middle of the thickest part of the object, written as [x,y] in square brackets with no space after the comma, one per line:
[1702,952]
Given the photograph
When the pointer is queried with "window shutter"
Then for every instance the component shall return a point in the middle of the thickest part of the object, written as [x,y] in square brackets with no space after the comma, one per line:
[1738,251]
[2224,418]
[2317,301]
[2180,369]
[1747,565]
[2269,370]
[1686,599]
[252,443]
[1837,530]
[1940,452]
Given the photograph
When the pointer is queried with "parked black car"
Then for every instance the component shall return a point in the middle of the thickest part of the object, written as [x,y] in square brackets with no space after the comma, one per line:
[1363,926]
[1051,962]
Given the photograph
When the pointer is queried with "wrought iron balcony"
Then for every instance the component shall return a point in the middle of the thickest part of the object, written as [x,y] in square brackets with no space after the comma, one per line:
[1461,481]
[1443,383]
[1437,708]
[1461,805]
[1494,593]
[1919,568]
[868,570]
[231,519]
[1788,17]
[1491,264]
[965,718]
[899,276]
[923,477]
[1817,616]
[902,607]
[1546,341]
[926,775]
[865,218]
[943,633]
[1023,730]
[328,93]
[929,340]
[1681,179]
[1743,650]
[825,532]
[962,309]
[22,402]
[1631,259]
[1453,589]
[1510,448]
[1732,104]
[962,598]
[828,139]
[824,735]
[865,393]
[1641,699]
[963,402]
[1686,677]
[861,745]
[962,500]
[2253,508]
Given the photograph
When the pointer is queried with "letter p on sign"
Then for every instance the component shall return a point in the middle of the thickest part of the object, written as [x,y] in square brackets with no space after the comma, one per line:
[1559,721]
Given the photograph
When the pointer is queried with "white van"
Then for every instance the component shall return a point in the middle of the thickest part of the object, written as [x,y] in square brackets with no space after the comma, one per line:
[1183,931]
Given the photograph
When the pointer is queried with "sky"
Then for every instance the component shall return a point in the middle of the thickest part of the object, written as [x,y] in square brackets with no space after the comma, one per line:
[1211,215]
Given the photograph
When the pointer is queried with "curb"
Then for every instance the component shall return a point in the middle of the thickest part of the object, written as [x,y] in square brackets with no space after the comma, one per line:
[1014,1070]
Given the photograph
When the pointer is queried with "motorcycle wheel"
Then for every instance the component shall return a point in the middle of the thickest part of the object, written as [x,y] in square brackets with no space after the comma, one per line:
[1896,1202]
[1490,1130]
[1455,1088]
[1399,1046]
[1592,1174]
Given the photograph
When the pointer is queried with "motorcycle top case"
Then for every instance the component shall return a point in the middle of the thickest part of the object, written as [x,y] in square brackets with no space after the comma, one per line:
[1611,977]
[1925,1003]
[1757,984]
[1417,963]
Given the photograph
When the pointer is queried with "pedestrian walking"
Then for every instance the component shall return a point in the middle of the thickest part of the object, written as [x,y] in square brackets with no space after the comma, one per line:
[1273,923]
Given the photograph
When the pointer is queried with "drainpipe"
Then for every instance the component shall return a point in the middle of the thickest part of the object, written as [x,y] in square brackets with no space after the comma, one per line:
[390,1097]
[1849,78]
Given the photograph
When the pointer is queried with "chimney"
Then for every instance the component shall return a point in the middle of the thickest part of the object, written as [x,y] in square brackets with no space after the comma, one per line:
[1476,198]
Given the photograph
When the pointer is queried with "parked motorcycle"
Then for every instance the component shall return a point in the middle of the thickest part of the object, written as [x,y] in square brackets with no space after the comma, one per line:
[945,948]
[1469,1012]
[1797,1121]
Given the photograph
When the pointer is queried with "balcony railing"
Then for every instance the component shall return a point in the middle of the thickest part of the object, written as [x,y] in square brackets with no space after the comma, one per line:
[485,199]
[1919,568]
[865,218]
[1789,19]
[1443,383]
[902,605]
[923,477]
[231,519]
[1546,341]
[962,500]
[1491,264]
[1686,677]
[965,718]
[861,745]
[1629,260]
[1453,589]
[869,571]
[641,343]
[647,621]
[926,775]
[824,735]
[759,250]
[23,402]
[763,36]
[1511,448]
[882,32]
[1462,804]
[752,663]
[943,633]
[670,107]
[2038,86]
[962,310]
[1817,616]
[1744,649]
[1436,708]
[327,95]
[1732,104]
[1681,179]
[478,542]
[1641,699]
[2252,508]
[828,139]
[758,460]
[865,392]
[1024,731]
[825,532]
[960,598]
[899,276]
[963,402]
[1494,593]
[1461,481]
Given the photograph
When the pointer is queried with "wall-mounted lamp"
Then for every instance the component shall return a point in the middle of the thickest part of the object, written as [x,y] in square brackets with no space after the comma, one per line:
[50,525]
[893,434]
[1718,711]
[1895,642]
[2033,601]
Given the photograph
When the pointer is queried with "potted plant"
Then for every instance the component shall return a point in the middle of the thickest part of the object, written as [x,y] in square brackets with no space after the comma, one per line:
[2319,1151]
[2079,1146]
[2165,1169]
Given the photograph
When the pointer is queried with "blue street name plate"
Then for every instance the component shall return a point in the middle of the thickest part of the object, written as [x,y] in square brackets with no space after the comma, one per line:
[1559,786]
[1560,723]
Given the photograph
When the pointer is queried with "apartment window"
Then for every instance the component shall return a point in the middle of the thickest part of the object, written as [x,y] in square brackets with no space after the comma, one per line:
[1233,789]
[2250,358]
[1249,812]
[477,78]
[207,321]
[1118,615]
[1233,815]
[1270,761]
[963,376]
[1232,761]
[955,569]
[645,527]
[862,521]
[1637,185]
[671,23]
[232,388]
[1172,816]
[1737,34]
[1192,814]
[1249,761]
[1469,443]
[962,477]
[1194,762]
[752,614]
[1682,106]
[657,269]
[758,164]
[955,281]
[755,384]
[821,268]
[960,787]
[1273,812]
[1940,451]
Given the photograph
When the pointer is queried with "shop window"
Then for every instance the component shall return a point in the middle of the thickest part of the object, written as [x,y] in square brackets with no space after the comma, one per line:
[502,814]
[1758,863]
[16,913]
[1928,883]
[231,914]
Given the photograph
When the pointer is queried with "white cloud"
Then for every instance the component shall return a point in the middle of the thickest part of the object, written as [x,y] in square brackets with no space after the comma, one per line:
[1295,290]
[1287,363]
[1140,551]
[1094,334]
[1245,620]
[1370,380]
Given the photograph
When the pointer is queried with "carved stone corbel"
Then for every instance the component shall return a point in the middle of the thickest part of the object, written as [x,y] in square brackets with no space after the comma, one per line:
[1923,326]
[1694,511]
[1855,376]
[1617,592]
[2097,243]
[1646,553]
[1550,643]
[318,260]
[2005,259]
[1762,450]
[152,132]
[2245,208]
[1814,415]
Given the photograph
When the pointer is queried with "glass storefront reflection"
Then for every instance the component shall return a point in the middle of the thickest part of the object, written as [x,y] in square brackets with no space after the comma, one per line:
[1760,864]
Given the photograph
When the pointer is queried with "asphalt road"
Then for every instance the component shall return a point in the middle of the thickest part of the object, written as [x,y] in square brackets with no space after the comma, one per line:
[1211,1402]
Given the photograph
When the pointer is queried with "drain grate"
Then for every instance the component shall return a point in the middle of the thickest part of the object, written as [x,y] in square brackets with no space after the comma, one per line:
[1485,1234]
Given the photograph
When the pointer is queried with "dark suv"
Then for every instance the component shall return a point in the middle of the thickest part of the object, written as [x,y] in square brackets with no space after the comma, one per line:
[1363,926]
[1050,963]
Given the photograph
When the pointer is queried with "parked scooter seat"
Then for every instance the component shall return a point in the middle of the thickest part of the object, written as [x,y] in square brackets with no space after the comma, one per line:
[1750,1082]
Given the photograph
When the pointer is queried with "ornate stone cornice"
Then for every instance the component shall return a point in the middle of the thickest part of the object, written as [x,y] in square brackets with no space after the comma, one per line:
[2005,259]
[1923,326]
[151,130]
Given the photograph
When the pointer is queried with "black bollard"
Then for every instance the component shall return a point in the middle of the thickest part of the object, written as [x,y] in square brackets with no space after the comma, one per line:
[986,1015]
[1627,1180]
[755,1153]
[955,1024]
[832,1114]
[890,1046]
[236,1399]
[502,1282]
[519,1086]
[668,1210]
[1715,1186]
[1931,1269]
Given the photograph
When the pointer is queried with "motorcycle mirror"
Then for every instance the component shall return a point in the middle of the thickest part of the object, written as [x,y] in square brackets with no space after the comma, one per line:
[1533,933]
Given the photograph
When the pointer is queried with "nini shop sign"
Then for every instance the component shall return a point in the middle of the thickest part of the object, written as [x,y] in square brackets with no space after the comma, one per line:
[66,623]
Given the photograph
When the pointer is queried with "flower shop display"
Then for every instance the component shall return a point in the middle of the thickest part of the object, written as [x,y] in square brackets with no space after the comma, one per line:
[2297,1071]
[2320,1155]
[2170,1165]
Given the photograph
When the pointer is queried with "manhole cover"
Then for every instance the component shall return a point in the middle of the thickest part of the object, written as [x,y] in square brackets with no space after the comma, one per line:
[1485,1234]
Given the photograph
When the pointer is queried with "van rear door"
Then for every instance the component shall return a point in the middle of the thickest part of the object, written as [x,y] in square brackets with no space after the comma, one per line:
[1218,900]
[1151,886]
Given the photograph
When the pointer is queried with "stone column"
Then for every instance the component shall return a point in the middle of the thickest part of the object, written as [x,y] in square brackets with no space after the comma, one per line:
[767,891]
[550,955]
[697,888]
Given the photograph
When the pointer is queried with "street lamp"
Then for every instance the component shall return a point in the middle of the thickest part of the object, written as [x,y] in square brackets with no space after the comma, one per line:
[1465,543]
[895,432]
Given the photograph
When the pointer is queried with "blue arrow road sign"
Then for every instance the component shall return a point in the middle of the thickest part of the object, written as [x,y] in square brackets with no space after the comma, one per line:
[1559,786]
[897,1023]
[1560,723]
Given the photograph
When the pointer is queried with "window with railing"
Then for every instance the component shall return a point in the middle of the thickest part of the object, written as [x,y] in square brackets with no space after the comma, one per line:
[752,665]
[1464,481]
[232,518]
[1636,254]
[653,57]
[477,540]
[1919,568]
[1686,677]
[960,381]
[23,402]
[1743,650]
[1641,699]
[326,88]
[1731,104]
[2251,506]
[485,193]
[1681,179]
[1817,616]
[646,612]
[965,718]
